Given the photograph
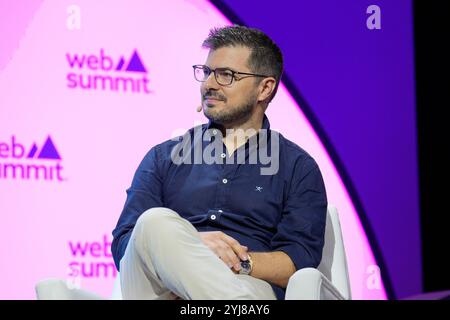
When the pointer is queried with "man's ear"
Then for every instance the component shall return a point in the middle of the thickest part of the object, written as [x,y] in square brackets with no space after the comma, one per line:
[266,88]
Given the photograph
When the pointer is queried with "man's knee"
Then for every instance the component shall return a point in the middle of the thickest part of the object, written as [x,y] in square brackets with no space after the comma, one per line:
[152,226]
[155,218]
[156,222]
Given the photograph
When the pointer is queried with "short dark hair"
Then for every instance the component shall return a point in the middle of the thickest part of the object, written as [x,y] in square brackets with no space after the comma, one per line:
[266,57]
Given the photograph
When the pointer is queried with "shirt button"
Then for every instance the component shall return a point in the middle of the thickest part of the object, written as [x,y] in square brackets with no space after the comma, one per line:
[220,211]
[223,155]
[213,217]
[214,131]
[224,180]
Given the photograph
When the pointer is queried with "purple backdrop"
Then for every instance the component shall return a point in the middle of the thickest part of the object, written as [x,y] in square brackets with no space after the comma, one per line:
[359,85]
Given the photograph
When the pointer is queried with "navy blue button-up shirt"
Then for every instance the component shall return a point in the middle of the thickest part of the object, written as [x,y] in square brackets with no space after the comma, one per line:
[285,211]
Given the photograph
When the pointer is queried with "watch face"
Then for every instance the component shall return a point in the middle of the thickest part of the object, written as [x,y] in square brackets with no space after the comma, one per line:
[245,265]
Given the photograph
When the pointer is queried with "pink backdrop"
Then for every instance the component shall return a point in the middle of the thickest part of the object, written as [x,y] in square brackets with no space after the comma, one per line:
[68,153]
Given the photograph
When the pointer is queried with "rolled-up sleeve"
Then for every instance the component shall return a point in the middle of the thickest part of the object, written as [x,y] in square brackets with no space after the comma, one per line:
[300,232]
[144,193]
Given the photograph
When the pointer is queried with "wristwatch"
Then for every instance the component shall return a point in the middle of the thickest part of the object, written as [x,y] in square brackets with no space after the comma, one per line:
[246,266]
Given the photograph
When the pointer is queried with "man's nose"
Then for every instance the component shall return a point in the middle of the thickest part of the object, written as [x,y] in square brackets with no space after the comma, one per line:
[211,82]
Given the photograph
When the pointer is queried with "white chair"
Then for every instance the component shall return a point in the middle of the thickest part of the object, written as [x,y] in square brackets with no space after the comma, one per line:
[59,289]
[329,281]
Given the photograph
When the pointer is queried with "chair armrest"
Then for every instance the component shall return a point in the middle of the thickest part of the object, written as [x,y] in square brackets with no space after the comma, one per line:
[311,284]
[57,289]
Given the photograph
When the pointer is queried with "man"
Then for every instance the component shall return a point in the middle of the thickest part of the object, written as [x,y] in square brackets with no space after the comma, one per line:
[223,229]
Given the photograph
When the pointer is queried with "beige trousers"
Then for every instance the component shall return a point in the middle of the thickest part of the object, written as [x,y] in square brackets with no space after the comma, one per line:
[165,256]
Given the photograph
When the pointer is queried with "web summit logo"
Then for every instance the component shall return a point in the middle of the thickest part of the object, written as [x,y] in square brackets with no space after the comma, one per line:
[18,164]
[100,72]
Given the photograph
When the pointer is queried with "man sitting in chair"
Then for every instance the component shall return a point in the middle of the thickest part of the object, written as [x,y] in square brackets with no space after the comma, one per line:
[205,217]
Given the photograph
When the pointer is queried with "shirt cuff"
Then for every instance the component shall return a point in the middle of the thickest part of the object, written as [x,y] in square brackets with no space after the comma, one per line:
[299,256]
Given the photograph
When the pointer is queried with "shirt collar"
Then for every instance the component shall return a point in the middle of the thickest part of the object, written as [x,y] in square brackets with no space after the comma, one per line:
[246,146]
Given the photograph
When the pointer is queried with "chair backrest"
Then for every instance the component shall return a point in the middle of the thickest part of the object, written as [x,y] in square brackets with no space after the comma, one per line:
[334,261]
[116,292]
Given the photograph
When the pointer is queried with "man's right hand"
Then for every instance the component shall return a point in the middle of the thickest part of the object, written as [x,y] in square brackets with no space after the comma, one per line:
[226,248]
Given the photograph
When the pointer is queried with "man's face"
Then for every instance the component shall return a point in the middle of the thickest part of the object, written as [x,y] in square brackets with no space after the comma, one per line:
[235,102]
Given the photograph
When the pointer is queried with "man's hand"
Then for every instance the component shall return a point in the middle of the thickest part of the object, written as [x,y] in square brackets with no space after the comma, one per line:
[226,248]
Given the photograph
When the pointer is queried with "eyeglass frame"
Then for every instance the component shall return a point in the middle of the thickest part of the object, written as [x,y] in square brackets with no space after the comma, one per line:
[233,73]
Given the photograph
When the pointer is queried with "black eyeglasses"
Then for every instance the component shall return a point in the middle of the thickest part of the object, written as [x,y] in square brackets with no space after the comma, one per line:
[224,76]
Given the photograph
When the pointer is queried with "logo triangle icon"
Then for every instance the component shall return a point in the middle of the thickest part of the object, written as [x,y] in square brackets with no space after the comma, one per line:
[135,64]
[49,151]
[120,64]
[32,151]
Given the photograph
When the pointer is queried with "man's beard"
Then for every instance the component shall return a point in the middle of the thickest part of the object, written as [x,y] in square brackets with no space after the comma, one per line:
[231,115]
